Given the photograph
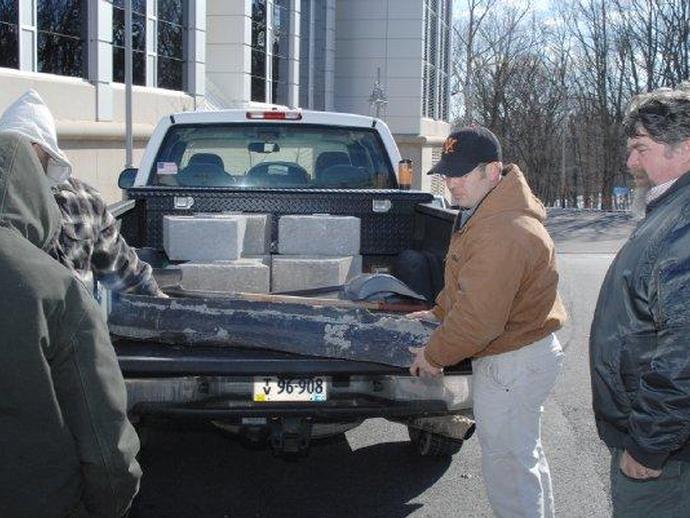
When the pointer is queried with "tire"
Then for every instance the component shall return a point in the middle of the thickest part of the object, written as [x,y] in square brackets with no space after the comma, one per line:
[433,445]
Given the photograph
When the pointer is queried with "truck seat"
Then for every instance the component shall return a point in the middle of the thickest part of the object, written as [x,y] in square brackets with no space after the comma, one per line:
[344,175]
[277,173]
[204,170]
[329,159]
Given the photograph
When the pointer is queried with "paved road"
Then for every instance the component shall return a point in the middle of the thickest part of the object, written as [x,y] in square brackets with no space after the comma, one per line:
[372,470]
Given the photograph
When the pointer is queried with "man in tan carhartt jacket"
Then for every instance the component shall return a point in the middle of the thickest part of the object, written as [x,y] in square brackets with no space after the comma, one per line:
[499,306]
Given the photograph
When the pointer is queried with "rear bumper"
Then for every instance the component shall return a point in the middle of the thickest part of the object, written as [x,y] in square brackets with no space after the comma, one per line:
[350,398]
[217,383]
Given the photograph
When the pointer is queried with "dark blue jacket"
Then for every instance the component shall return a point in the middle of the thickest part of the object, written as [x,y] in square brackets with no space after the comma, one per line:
[640,337]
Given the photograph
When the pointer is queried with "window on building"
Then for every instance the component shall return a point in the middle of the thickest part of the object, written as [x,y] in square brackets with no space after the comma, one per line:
[280,32]
[444,62]
[313,51]
[259,27]
[9,34]
[270,50]
[435,98]
[171,47]
[306,86]
[138,41]
[61,34]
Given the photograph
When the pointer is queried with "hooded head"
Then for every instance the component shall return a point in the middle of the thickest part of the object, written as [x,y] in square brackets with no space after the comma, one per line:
[26,203]
[29,116]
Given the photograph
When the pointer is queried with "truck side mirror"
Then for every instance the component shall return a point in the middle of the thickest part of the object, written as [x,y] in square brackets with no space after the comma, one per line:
[126,179]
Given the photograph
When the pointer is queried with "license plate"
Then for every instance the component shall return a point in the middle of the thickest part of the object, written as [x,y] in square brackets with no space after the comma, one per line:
[273,388]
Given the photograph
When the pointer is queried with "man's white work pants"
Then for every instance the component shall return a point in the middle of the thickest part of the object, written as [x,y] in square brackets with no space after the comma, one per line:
[509,391]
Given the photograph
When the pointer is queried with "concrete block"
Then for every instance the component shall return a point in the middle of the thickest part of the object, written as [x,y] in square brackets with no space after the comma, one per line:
[249,276]
[194,238]
[292,273]
[257,236]
[319,234]
[263,259]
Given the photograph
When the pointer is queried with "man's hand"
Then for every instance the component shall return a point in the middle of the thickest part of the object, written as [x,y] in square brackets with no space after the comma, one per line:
[425,314]
[633,469]
[421,367]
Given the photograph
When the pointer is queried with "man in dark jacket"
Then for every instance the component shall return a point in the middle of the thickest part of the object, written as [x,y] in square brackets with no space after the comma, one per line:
[640,337]
[66,446]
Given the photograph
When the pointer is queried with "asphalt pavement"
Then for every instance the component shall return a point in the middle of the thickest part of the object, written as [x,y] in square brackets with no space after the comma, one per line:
[372,471]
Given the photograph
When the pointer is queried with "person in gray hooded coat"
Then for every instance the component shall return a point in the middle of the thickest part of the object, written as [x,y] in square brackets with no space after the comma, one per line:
[66,446]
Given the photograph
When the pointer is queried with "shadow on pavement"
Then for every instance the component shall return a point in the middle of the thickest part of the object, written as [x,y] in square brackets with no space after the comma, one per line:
[203,473]
[589,225]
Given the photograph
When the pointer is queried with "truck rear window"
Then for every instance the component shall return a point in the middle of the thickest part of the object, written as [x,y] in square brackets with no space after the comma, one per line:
[274,156]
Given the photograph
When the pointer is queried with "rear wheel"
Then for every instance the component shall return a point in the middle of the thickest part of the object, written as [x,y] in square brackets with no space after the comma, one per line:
[433,445]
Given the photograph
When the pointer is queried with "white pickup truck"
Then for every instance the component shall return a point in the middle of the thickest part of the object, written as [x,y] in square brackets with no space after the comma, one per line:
[279,162]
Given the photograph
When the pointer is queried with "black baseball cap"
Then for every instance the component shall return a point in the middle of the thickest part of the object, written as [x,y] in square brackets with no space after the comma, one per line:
[465,149]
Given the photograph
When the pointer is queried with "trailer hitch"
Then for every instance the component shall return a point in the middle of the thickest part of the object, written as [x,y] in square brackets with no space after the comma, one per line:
[291,435]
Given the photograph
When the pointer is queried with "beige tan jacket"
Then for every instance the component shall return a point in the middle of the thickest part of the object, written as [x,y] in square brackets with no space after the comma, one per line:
[501,281]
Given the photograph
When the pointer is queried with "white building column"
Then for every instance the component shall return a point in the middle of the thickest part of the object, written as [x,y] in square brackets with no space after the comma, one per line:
[151,44]
[310,67]
[228,50]
[100,41]
[294,53]
[329,65]
[28,38]
[196,53]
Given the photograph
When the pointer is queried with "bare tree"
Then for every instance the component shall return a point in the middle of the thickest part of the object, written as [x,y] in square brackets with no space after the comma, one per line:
[466,52]
[554,87]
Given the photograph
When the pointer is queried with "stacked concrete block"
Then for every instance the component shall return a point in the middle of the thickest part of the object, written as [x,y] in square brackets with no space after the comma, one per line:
[243,275]
[257,235]
[257,238]
[316,251]
[263,259]
[291,273]
[318,234]
[203,239]
[227,252]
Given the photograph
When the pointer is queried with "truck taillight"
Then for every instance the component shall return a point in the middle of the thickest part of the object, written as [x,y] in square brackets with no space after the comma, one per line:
[275,115]
[405,174]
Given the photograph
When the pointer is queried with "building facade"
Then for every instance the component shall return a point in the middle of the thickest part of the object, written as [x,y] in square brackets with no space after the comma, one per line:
[388,58]
[405,46]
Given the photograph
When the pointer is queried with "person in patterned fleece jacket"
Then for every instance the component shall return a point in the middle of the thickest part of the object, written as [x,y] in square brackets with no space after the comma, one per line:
[89,243]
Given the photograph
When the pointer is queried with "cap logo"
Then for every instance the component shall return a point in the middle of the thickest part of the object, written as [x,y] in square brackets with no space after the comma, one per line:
[449,145]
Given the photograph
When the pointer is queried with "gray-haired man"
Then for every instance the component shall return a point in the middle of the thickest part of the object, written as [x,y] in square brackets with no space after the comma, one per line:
[640,337]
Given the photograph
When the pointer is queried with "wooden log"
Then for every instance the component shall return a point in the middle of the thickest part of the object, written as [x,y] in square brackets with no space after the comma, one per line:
[315,327]
[388,307]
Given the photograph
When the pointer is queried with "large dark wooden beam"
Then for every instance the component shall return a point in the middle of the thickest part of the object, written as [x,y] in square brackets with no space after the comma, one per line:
[292,324]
